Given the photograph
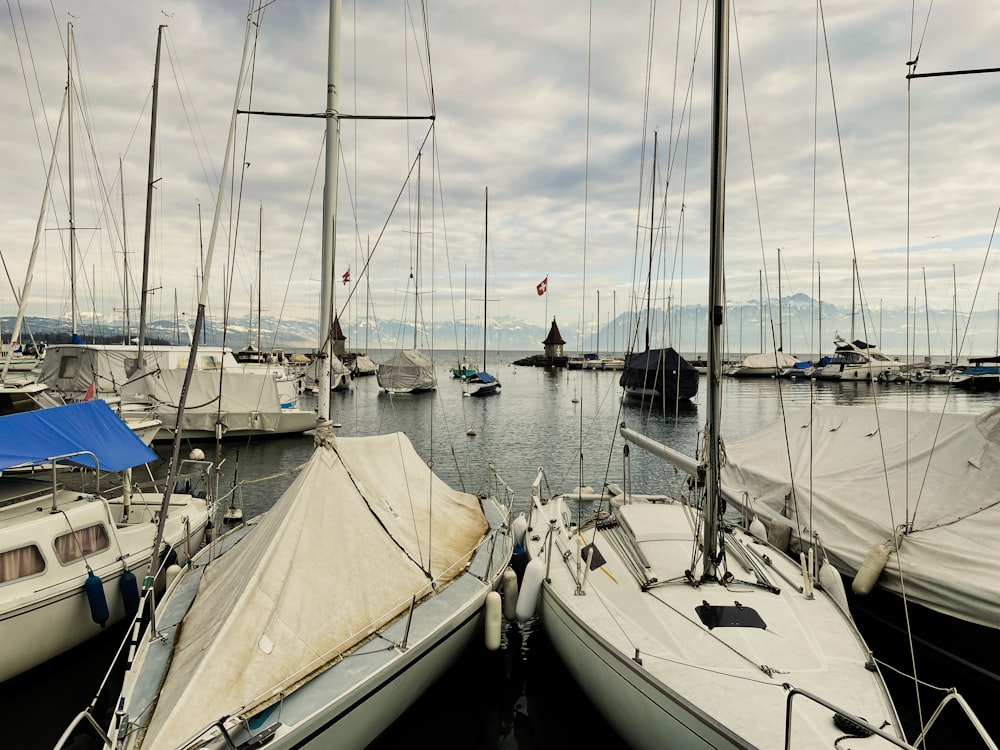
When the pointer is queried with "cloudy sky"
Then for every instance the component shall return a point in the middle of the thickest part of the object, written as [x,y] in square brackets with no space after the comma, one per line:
[550,105]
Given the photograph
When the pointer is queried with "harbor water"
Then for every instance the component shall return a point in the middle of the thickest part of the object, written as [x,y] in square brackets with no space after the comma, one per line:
[564,421]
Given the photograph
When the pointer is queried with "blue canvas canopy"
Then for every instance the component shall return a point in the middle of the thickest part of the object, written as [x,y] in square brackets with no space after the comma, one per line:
[485,377]
[35,437]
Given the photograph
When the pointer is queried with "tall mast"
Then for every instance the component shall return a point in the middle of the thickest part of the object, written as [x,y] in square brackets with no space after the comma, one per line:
[715,292]
[143,312]
[486,245]
[416,270]
[260,260]
[652,207]
[126,326]
[72,192]
[329,212]
[781,338]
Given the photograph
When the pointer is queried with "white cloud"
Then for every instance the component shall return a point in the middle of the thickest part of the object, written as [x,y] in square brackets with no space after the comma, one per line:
[560,146]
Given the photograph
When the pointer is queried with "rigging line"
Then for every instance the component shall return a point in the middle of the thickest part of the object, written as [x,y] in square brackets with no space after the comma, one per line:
[586,195]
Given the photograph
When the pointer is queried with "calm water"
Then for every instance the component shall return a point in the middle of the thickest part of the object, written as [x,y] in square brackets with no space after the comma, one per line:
[520,696]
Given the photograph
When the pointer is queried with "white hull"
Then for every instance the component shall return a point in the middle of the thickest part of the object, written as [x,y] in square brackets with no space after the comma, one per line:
[351,702]
[49,613]
[663,676]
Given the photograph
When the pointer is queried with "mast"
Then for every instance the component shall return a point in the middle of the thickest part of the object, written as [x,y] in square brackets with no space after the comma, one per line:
[717,214]
[781,338]
[126,325]
[329,212]
[652,207]
[72,192]
[416,270]
[260,260]
[143,312]
[486,265]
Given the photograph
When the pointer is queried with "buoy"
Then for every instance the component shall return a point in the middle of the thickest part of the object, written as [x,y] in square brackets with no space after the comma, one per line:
[197,454]
[509,594]
[471,432]
[519,527]
[531,585]
[95,597]
[833,584]
[870,570]
[493,621]
[172,572]
[758,530]
[129,589]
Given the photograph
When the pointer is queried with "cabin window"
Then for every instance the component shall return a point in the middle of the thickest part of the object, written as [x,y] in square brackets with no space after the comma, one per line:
[85,541]
[131,365]
[20,563]
[68,365]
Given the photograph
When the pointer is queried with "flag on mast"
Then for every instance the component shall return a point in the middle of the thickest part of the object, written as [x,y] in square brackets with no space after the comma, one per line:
[542,286]
[347,275]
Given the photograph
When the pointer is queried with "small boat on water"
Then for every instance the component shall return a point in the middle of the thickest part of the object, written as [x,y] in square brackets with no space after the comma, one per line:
[71,559]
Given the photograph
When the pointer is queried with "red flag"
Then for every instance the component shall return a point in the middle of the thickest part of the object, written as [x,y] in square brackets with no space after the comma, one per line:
[543,286]
[347,276]
[90,392]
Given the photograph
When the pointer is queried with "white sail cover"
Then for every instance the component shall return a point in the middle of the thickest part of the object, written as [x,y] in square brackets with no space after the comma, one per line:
[408,370]
[249,400]
[341,554]
[867,478]
[768,361]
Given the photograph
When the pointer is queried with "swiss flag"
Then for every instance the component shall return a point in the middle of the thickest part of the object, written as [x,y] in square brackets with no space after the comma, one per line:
[91,392]
[543,286]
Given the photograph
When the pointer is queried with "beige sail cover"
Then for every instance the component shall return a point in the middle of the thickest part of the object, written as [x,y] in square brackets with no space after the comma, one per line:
[338,556]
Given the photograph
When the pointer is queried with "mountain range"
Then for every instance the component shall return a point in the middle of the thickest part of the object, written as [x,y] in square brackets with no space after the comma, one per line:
[804,330]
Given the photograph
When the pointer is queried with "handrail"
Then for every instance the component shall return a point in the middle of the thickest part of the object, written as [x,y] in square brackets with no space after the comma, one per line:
[952,695]
[85,714]
[793,691]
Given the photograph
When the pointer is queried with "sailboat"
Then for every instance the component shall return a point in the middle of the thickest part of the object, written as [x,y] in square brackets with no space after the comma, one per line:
[148,380]
[410,370]
[685,631]
[360,586]
[482,383]
[657,376]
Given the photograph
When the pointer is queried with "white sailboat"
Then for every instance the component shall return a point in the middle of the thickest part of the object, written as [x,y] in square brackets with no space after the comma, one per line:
[482,383]
[71,559]
[410,370]
[355,591]
[684,631]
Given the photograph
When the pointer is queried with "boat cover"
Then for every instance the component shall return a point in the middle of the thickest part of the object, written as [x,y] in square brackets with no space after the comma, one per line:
[668,372]
[34,437]
[485,377]
[939,473]
[250,400]
[768,360]
[407,370]
[341,554]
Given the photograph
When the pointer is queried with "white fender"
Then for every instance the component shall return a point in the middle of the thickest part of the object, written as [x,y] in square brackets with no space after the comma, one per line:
[519,527]
[758,530]
[531,586]
[493,620]
[509,581]
[833,585]
[870,570]
[172,572]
